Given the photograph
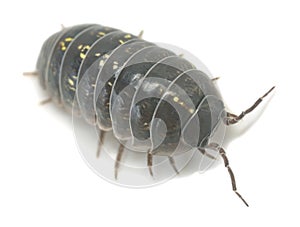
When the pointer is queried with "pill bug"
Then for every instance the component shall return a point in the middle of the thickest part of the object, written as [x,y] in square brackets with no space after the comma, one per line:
[118,81]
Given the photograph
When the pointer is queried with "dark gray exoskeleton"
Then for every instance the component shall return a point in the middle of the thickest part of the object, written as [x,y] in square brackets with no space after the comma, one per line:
[154,100]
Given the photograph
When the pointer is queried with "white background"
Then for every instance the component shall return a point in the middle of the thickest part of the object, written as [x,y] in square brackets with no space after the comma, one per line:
[251,45]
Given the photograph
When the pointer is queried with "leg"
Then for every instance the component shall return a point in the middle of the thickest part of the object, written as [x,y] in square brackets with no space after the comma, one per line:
[226,163]
[140,35]
[118,159]
[172,162]
[45,101]
[203,151]
[231,115]
[215,78]
[100,142]
[33,73]
[150,162]
[234,119]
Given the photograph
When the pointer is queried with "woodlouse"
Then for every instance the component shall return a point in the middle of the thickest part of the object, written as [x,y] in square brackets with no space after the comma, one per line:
[120,82]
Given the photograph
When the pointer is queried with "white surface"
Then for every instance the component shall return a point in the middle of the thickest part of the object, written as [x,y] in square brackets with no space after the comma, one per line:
[251,46]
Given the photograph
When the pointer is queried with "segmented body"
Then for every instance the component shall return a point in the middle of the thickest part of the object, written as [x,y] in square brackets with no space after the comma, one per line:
[154,100]
[122,83]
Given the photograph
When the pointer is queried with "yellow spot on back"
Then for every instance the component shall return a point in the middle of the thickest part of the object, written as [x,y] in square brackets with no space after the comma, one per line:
[121,41]
[71,82]
[101,33]
[128,36]
[176,99]
[69,39]
[62,46]
[97,54]
[109,83]
[83,51]
[101,63]
[72,88]
[191,111]
[80,47]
